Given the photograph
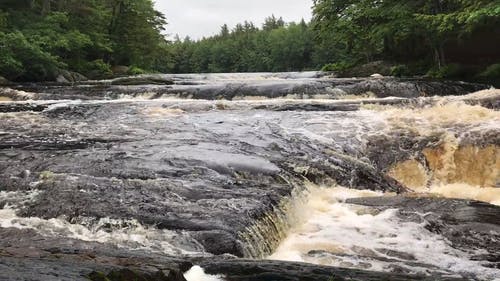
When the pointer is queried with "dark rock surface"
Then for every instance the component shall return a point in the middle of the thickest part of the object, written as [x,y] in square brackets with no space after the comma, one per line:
[95,185]
[4,81]
[57,259]
[470,226]
[138,160]
[251,270]
[225,86]
[68,77]
[72,259]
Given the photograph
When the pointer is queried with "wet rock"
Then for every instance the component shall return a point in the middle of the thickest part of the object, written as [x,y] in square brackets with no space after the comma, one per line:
[120,69]
[310,107]
[251,270]
[487,98]
[189,173]
[15,95]
[69,259]
[61,79]
[65,77]
[4,81]
[128,274]
[20,107]
[142,80]
[470,226]
[192,86]
[165,184]
[365,70]
[408,88]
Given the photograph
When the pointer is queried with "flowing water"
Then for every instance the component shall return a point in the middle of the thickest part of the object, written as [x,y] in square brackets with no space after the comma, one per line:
[261,166]
[335,233]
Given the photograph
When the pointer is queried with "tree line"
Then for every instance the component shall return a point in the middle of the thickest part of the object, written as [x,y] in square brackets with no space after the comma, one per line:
[275,46]
[39,38]
[440,34]
[441,38]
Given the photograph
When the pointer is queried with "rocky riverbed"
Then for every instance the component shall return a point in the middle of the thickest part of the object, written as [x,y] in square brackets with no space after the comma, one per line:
[290,176]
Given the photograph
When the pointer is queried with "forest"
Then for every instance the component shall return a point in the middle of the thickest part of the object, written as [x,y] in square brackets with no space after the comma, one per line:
[42,39]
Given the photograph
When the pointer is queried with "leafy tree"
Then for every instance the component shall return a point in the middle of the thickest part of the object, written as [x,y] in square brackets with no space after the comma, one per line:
[87,36]
[400,29]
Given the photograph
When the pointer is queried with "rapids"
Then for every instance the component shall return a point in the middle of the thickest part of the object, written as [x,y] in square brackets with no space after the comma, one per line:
[265,176]
[336,233]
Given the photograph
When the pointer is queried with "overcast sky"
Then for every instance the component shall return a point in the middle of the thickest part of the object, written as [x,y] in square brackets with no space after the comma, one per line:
[198,18]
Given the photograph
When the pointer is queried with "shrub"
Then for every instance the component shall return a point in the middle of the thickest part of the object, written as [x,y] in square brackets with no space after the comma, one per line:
[134,70]
[448,71]
[22,60]
[336,67]
[97,69]
[491,72]
[400,70]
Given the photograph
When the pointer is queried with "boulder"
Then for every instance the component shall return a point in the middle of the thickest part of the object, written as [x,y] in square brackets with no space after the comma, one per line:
[466,224]
[142,80]
[120,69]
[4,81]
[365,70]
[61,79]
[65,76]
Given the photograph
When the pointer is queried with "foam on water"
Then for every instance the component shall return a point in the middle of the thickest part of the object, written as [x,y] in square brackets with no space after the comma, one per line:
[444,115]
[490,93]
[9,94]
[455,167]
[196,273]
[338,234]
[123,233]
[465,191]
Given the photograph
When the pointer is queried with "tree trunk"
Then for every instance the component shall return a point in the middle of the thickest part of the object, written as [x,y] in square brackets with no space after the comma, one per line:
[60,5]
[116,13]
[437,57]
[442,54]
[46,7]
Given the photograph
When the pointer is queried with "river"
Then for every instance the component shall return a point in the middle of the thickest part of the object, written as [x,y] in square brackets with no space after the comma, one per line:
[291,176]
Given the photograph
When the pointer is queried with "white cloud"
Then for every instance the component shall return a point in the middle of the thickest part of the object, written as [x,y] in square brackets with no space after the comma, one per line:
[198,18]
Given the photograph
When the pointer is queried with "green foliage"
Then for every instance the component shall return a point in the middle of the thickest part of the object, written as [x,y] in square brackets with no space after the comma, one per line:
[97,69]
[98,276]
[22,60]
[134,70]
[337,67]
[46,175]
[414,35]
[491,72]
[274,47]
[400,71]
[400,30]
[39,38]
[447,71]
